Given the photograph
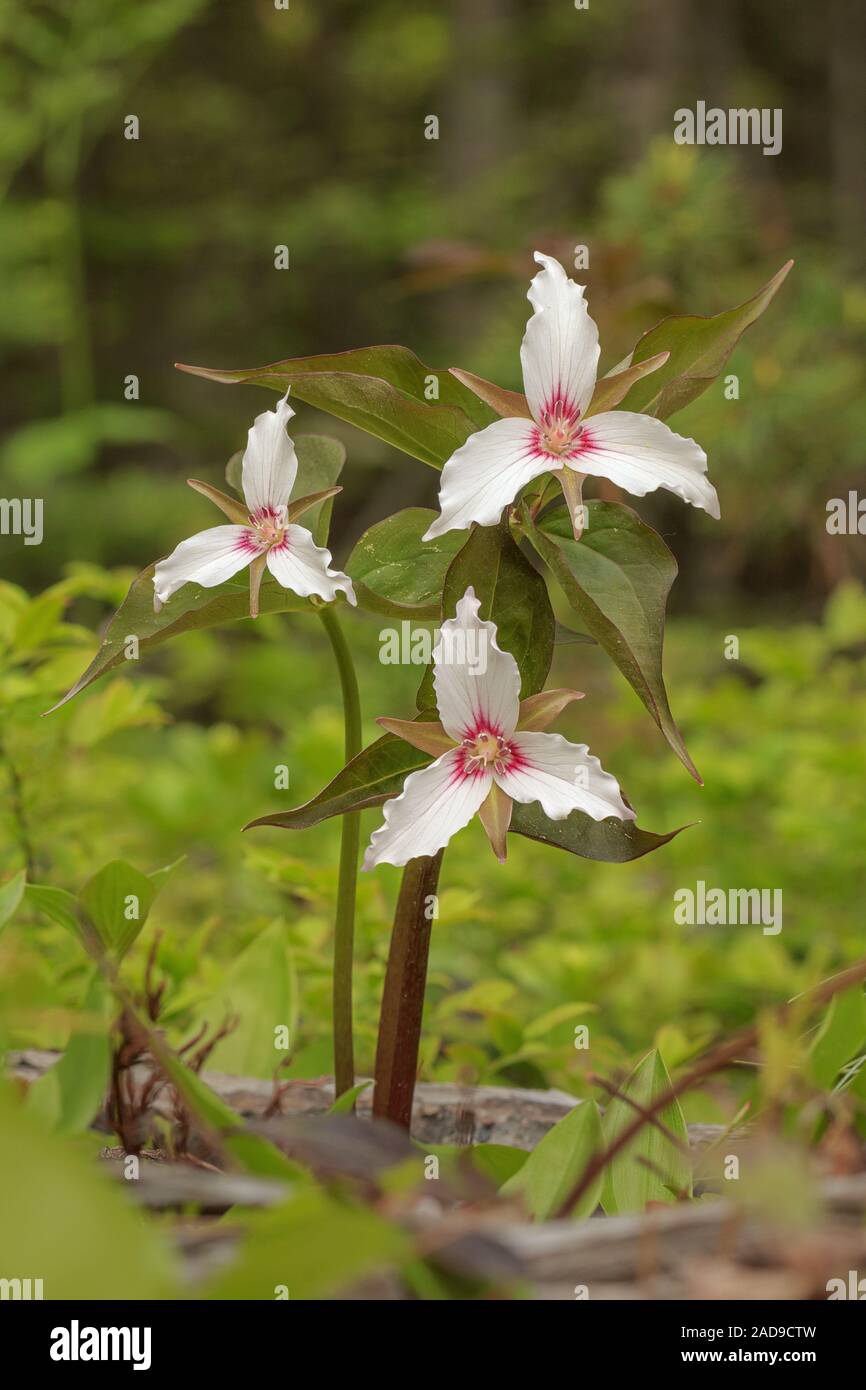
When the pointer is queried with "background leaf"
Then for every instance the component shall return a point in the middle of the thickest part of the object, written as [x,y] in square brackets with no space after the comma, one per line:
[11,894]
[617,577]
[395,572]
[260,991]
[840,1037]
[651,1168]
[191,608]
[513,595]
[556,1163]
[106,900]
[64,1222]
[380,390]
[70,1094]
[699,348]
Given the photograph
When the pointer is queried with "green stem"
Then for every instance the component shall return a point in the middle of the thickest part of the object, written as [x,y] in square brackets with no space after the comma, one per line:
[403,995]
[344,924]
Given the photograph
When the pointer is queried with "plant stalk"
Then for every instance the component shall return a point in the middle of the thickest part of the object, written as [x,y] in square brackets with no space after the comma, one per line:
[403,994]
[344,922]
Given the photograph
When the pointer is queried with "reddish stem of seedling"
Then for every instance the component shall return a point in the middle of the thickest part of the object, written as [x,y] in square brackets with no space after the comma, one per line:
[403,995]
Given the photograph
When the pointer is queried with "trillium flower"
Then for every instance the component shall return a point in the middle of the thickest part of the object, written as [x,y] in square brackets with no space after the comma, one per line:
[490,752]
[264,533]
[559,355]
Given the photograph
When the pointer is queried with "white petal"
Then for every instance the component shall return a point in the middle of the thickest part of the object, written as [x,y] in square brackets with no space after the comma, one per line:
[208,558]
[560,351]
[434,804]
[477,684]
[640,453]
[270,466]
[302,566]
[486,473]
[564,777]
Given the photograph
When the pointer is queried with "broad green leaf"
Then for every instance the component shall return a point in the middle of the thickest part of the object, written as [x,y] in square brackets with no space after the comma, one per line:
[117,899]
[320,463]
[70,1094]
[379,771]
[64,1222]
[385,390]
[313,1246]
[398,574]
[513,595]
[840,1037]
[617,578]
[554,1167]
[192,607]
[11,894]
[38,621]
[651,1168]
[260,992]
[57,905]
[612,841]
[698,348]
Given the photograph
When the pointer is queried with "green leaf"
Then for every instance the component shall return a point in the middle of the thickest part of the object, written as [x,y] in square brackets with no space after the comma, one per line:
[379,771]
[320,463]
[611,841]
[260,991]
[513,595]
[70,1094]
[10,896]
[191,608]
[651,1168]
[840,1037]
[117,900]
[383,390]
[698,347]
[345,1104]
[57,905]
[398,574]
[65,1223]
[617,578]
[554,1167]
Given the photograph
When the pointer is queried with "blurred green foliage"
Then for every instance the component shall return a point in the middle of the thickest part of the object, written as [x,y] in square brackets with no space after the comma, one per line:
[173,759]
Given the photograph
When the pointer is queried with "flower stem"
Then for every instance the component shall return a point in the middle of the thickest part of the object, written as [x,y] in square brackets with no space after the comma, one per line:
[403,995]
[344,923]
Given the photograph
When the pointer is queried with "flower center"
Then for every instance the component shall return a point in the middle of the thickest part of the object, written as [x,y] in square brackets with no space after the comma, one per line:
[270,526]
[485,748]
[560,429]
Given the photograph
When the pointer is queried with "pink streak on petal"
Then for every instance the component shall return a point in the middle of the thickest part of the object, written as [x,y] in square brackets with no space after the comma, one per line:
[248,543]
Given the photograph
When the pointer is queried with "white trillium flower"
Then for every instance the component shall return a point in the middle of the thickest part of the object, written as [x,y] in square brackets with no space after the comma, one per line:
[264,533]
[490,752]
[559,355]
